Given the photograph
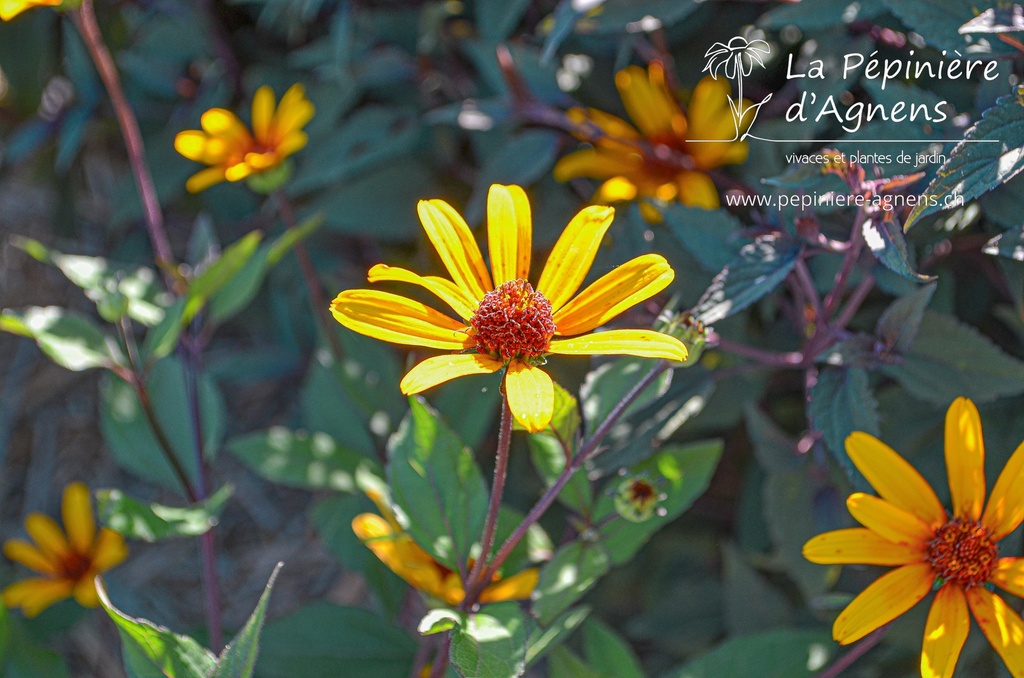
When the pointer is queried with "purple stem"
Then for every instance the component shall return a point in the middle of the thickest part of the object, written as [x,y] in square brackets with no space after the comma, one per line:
[858,651]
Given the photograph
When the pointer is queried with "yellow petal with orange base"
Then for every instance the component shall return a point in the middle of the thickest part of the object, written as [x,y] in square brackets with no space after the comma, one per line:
[220,122]
[649,102]
[944,633]
[204,179]
[570,260]
[1009,575]
[109,550]
[79,521]
[965,459]
[438,370]
[48,536]
[84,591]
[597,163]
[640,343]
[1005,509]
[1001,625]
[21,551]
[531,395]
[517,587]
[35,595]
[445,290]
[399,320]
[294,111]
[509,233]
[697,190]
[894,478]
[621,288]
[400,553]
[201,147]
[886,598]
[891,522]
[455,245]
[859,546]
[12,8]
[262,113]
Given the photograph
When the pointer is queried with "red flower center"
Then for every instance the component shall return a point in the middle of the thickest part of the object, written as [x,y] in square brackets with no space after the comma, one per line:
[963,552]
[513,321]
[75,565]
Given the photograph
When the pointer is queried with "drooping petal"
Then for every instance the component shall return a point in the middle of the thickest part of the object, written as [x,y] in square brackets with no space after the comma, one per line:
[1002,626]
[697,190]
[35,595]
[621,288]
[597,163]
[400,553]
[292,142]
[1005,509]
[886,598]
[262,113]
[894,478]
[109,551]
[965,459]
[294,111]
[48,535]
[240,171]
[517,587]
[649,102]
[616,189]
[1009,575]
[891,522]
[570,260]
[859,546]
[220,122]
[442,368]
[455,245]
[200,181]
[531,395]
[445,290]
[509,233]
[201,147]
[79,520]
[21,551]
[85,592]
[612,125]
[399,320]
[640,343]
[944,633]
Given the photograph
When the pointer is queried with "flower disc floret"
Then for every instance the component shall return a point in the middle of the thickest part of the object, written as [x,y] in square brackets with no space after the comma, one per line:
[963,552]
[513,321]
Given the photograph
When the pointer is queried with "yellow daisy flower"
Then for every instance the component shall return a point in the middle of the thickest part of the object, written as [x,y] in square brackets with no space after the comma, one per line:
[630,172]
[908,527]
[68,560]
[12,8]
[403,556]
[232,152]
[509,324]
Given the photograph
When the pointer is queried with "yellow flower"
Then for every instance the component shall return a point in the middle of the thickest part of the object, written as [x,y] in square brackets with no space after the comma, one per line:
[67,562]
[509,324]
[234,153]
[630,172]
[12,8]
[908,527]
[403,556]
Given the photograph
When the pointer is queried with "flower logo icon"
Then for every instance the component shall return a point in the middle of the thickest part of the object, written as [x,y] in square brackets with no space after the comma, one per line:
[736,60]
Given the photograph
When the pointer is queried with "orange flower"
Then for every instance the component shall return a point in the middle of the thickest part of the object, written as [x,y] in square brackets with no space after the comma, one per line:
[396,549]
[234,153]
[509,325]
[908,527]
[631,172]
[12,8]
[68,562]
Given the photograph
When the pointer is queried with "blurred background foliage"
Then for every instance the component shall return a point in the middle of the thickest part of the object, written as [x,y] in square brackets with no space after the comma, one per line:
[411,102]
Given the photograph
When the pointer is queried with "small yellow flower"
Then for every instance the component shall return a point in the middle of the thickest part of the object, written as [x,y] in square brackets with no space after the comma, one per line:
[12,8]
[403,556]
[67,562]
[509,324]
[234,153]
[628,171]
[908,527]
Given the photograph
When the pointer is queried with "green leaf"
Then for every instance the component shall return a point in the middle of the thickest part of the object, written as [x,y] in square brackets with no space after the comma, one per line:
[607,385]
[238,660]
[751,603]
[299,459]
[218,274]
[605,648]
[330,641]
[820,15]
[26,657]
[760,267]
[161,339]
[682,472]
[888,244]
[573,570]
[549,449]
[991,153]
[777,654]
[151,651]
[939,22]
[491,643]
[436,481]
[71,340]
[841,402]
[949,359]
[564,664]
[710,236]
[155,522]
[898,326]
[525,158]
[544,639]
[496,19]
[1009,244]
[439,620]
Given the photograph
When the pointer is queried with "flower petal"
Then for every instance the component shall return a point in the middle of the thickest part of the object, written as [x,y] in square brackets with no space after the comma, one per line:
[641,343]
[1008,575]
[509,233]
[200,181]
[79,520]
[262,113]
[220,122]
[48,535]
[1002,626]
[697,190]
[390,317]
[649,102]
[894,478]
[442,368]
[454,243]
[291,143]
[597,163]
[21,551]
[109,551]
[201,147]
[944,633]
[85,592]
[531,395]
[400,553]
[445,290]
[294,111]
[890,522]
[886,598]
[859,546]
[1005,509]
[616,189]
[517,587]
[570,260]
[614,292]
[965,459]
[35,595]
